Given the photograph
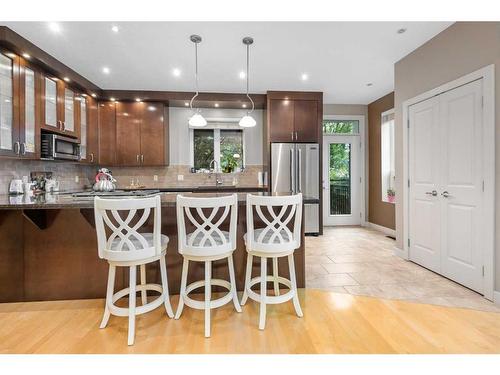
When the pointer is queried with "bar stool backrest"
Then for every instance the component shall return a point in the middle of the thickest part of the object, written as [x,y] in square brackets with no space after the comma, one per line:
[277,225]
[200,222]
[118,222]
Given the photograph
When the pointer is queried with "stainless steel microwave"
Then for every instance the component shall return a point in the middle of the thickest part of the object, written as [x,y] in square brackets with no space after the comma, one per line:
[58,147]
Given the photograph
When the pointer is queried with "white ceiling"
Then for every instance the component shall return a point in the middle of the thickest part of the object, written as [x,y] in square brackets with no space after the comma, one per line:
[340,58]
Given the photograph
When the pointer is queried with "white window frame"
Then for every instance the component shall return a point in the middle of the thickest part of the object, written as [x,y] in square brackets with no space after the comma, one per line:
[392,156]
[217,124]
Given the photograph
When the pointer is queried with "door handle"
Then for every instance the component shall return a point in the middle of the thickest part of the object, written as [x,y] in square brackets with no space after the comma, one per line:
[299,168]
[433,193]
[445,194]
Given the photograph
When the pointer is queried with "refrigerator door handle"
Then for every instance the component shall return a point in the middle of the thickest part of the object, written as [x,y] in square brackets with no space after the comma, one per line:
[292,171]
[299,168]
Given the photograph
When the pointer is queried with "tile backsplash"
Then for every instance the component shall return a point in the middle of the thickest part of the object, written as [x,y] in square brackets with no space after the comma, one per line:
[168,177]
[65,173]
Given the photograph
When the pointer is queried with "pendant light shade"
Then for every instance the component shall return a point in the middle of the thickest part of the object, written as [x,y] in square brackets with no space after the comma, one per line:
[248,121]
[197,120]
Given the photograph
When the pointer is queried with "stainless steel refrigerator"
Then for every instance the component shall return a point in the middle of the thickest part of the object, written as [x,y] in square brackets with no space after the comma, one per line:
[295,169]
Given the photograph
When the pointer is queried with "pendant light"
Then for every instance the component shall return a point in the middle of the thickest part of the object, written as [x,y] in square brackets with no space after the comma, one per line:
[248,121]
[197,120]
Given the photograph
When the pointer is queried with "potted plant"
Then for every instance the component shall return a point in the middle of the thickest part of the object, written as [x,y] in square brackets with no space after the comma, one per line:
[230,162]
[391,195]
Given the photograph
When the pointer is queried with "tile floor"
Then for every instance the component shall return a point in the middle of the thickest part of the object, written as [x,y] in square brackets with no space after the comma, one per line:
[360,261]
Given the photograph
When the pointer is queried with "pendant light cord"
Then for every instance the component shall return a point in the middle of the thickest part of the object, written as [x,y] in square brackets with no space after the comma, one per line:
[195,74]
[248,64]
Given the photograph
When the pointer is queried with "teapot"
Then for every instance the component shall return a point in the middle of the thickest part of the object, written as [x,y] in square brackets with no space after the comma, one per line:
[104,181]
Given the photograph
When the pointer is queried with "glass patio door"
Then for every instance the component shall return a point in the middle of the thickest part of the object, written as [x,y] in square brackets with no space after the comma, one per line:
[341,180]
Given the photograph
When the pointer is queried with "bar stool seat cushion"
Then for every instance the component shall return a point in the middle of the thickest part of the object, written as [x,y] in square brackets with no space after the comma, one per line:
[137,243]
[282,242]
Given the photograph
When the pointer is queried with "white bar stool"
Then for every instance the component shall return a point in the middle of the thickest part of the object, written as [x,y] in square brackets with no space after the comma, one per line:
[273,241]
[206,243]
[117,223]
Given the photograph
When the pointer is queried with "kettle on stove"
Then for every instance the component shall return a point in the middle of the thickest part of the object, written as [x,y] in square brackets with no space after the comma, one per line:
[104,181]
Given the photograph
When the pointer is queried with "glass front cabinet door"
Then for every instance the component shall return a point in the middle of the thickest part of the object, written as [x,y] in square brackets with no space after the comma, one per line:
[9,144]
[28,120]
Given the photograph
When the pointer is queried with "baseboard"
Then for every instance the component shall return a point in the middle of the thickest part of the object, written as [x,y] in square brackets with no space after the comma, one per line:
[400,253]
[380,228]
[496,297]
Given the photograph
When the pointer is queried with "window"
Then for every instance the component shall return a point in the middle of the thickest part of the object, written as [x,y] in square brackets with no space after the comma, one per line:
[341,127]
[225,146]
[387,157]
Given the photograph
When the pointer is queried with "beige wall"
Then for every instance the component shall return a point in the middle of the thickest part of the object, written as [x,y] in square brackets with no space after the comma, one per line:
[379,212]
[461,49]
[353,110]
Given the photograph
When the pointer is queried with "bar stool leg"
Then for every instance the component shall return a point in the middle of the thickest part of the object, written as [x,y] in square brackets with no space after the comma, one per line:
[164,284]
[208,292]
[144,295]
[185,267]
[248,276]
[131,305]
[109,295]
[232,279]
[293,282]
[263,287]
[275,275]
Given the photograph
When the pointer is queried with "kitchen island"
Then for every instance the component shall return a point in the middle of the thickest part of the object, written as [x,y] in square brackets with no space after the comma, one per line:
[48,249]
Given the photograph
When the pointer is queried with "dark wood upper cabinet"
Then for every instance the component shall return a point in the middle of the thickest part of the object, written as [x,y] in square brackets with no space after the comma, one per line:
[281,118]
[128,133]
[10,142]
[305,120]
[141,134]
[154,151]
[59,108]
[29,110]
[92,131]
[107,134]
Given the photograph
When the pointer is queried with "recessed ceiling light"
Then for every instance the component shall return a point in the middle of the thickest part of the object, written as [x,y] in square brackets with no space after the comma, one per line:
[216,104]
[304,77]
[26,56]
[401,31]
[137,99]
[112,99]
[106,70]
[186,104]
[369,84]
[242,75]
[244,105]
[115,29]
[55,27]
[176,72]
[151,108]
[93,95]
[66,79]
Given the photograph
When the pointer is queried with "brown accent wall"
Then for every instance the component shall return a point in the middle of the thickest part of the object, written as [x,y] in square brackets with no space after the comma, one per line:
[379,212]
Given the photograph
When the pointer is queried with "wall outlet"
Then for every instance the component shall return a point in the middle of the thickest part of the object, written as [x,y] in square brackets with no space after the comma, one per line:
[155,178]
[180,177]
[77,179]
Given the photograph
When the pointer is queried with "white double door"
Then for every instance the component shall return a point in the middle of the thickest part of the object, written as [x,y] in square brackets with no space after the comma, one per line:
[446,184]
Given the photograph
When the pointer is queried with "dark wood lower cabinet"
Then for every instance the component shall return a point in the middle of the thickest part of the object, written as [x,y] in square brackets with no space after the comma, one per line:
[61,261]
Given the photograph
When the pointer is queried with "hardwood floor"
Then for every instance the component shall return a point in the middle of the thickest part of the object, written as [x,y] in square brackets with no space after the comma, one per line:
[360,261]
[332,323]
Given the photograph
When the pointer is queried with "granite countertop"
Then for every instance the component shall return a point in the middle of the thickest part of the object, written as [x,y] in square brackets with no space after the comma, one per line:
[66,201]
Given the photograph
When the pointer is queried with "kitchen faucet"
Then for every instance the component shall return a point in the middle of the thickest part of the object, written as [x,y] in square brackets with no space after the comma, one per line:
[214,166]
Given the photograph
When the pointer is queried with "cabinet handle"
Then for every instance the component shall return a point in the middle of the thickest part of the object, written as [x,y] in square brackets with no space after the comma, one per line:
[91,157]
[17,147]
[292,136]
[63,126]
[23,148]
[137,157]
[142,159]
